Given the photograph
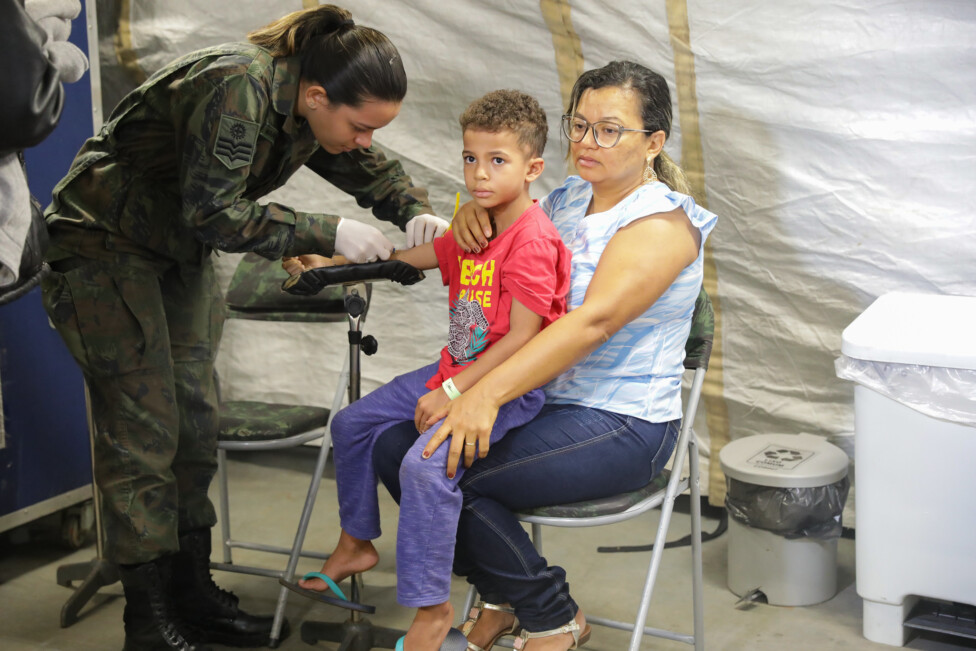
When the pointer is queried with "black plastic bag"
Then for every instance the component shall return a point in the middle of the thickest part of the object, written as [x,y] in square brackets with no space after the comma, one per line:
[813,512]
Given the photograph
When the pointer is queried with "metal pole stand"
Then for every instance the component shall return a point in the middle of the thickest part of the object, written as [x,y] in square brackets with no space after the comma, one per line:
[356,633]
[96,573]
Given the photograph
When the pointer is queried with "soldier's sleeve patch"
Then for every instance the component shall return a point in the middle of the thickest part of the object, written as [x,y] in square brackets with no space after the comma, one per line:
[235,142]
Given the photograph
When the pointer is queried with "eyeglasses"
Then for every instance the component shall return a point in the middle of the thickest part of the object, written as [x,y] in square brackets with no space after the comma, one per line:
[606,134]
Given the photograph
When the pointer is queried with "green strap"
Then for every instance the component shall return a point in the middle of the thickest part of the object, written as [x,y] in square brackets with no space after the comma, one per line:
[329,582]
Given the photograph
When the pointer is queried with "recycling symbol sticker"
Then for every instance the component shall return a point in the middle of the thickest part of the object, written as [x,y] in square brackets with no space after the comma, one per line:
[779,457]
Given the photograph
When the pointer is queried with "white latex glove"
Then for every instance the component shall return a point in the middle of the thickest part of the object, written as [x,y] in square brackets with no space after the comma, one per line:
[54,17]
[360,242]
[424,228]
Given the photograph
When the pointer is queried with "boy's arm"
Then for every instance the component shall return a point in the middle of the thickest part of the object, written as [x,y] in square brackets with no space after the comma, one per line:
[420,257]
[523,325]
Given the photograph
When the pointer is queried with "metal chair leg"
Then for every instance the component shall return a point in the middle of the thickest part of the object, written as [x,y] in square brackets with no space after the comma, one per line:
[696,547]
[469,600]
[224,505]
[537,537]
[296,549]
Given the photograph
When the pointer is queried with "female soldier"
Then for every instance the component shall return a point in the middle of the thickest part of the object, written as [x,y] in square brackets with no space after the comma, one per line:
[174,174]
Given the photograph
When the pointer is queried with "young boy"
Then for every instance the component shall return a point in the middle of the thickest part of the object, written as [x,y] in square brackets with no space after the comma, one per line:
[500,299]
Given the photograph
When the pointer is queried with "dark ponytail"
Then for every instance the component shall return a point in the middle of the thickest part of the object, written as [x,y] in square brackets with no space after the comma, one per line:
[353,63]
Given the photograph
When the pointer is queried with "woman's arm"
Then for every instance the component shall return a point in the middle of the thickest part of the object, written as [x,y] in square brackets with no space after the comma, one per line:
[638,265]
[377,182]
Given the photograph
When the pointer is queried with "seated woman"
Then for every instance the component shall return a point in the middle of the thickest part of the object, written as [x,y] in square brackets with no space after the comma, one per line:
[613,364]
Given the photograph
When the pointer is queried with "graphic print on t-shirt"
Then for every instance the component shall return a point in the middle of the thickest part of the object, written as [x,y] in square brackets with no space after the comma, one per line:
[468,332]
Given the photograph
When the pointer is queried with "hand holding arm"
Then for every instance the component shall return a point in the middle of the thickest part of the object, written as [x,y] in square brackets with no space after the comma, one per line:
[424,228]
[471,227]
[377,182]
[359,242]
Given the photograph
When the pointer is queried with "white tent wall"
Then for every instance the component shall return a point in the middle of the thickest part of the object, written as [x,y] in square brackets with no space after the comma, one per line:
[836,145]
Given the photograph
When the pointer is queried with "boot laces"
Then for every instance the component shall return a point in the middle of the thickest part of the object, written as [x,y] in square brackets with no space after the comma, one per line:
[225,598]
[172,628]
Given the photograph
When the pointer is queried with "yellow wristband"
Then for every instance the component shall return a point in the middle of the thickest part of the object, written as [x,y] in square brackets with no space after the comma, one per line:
[451,390]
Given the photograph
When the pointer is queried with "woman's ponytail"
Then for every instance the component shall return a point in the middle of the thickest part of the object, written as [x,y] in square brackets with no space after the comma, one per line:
[290,35]
[353,63]
[670,174]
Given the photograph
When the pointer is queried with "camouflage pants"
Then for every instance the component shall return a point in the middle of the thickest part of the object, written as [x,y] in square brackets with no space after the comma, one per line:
[145,338]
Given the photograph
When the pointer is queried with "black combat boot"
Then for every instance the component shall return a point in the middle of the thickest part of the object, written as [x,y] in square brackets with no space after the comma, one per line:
[151,620]
[208,609]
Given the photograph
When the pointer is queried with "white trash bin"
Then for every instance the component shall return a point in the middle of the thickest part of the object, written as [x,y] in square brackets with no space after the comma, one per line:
[799,471]
[913,357]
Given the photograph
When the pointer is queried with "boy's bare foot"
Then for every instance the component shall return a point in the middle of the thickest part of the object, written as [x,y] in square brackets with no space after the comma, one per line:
[351,556]
[490,623]
[561,642]
[429,628]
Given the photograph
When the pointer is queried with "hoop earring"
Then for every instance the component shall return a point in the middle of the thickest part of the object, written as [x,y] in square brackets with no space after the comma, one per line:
[649,176]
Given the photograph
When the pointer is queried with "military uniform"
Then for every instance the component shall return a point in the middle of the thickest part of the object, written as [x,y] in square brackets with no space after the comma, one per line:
[173,174]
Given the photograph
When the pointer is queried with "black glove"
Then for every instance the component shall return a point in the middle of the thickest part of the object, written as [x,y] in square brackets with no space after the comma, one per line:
[312,281]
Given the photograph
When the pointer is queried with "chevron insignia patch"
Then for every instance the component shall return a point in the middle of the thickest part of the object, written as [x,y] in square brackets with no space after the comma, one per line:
[235,142]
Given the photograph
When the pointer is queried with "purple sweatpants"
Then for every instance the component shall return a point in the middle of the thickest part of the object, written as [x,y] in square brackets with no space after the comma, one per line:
[430,504]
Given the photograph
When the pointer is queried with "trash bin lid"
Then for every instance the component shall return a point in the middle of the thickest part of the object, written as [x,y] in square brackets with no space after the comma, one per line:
[784,460]
[923,329]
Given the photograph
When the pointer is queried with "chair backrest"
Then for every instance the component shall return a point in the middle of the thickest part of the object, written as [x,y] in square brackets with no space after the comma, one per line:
[255,293]
[698,348]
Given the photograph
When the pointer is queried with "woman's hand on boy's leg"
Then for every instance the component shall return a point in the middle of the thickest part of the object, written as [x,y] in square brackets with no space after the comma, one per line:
[468,420]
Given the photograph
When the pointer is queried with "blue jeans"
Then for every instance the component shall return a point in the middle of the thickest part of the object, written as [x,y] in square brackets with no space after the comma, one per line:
[431,501]
[568,453]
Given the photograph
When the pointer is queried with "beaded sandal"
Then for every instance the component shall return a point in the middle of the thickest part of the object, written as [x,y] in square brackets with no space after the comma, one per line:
[579,637]
[475,614]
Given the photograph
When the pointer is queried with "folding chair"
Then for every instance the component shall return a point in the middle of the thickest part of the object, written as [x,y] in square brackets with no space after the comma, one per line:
[661,492]
[255,294]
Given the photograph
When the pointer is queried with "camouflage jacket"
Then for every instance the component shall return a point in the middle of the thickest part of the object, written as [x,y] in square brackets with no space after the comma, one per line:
[177,169]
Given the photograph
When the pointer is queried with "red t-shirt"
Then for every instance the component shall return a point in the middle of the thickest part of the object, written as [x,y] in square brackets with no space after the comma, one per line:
[527,261]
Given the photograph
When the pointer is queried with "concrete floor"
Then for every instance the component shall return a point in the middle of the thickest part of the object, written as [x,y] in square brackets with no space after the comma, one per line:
[267,490]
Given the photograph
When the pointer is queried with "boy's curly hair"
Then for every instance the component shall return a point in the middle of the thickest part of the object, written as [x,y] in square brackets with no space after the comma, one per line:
[509,109]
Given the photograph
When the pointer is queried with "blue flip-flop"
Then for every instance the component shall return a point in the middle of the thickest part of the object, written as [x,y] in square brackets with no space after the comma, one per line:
[455,641]
[340,600]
